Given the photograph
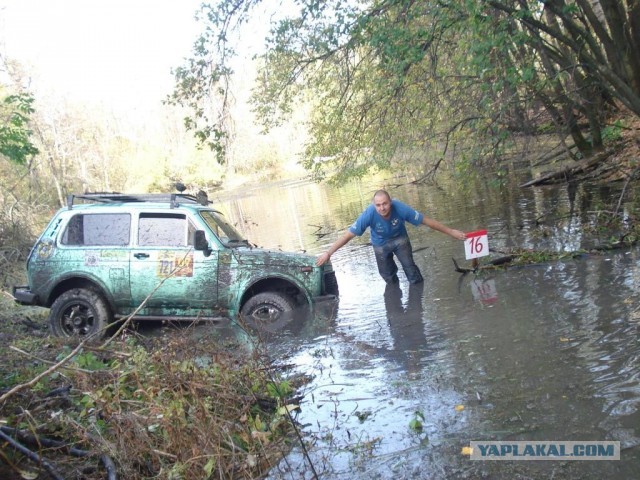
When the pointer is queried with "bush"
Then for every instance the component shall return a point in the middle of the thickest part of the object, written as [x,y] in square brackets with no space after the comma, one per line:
[168,408]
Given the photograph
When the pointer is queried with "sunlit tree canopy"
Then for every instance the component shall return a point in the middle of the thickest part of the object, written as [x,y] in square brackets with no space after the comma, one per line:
[394,82]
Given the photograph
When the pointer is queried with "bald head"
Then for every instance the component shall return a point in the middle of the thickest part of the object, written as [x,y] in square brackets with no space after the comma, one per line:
[382,202]
[381,193]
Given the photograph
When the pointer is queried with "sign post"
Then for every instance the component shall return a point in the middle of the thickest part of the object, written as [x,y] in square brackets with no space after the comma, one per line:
[476,245]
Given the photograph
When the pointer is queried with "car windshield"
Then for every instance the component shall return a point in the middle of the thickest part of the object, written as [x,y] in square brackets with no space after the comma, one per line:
[227,234]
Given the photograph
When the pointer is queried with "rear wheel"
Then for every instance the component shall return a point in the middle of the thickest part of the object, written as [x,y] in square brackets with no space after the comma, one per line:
[267,310]
[79,312]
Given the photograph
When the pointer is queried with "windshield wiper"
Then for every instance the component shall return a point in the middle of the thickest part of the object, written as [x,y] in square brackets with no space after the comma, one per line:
[236,241]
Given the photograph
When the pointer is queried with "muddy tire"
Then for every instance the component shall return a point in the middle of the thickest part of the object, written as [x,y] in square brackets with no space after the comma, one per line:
[267,311]
[79,312]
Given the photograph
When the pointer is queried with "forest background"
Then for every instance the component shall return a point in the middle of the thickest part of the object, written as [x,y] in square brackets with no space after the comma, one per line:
[341,89]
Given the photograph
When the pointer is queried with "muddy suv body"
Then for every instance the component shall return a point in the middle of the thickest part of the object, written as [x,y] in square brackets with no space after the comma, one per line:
[160,257]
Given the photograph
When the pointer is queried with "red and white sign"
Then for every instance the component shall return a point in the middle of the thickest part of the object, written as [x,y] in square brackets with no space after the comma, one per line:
[476,245]
[484,291]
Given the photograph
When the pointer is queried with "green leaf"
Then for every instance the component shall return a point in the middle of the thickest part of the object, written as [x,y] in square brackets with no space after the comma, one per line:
[209,466]
[15,136]
[415,425]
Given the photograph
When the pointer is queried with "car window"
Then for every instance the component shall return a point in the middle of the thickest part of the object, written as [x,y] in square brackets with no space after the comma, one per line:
[165,230]
[97,229]
[227,234]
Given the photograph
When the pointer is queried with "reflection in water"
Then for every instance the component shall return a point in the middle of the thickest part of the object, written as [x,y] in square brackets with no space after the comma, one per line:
[405,325]
[484,290]
[547,352]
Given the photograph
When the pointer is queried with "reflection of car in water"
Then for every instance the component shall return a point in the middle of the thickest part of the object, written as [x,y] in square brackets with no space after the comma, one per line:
[160,257]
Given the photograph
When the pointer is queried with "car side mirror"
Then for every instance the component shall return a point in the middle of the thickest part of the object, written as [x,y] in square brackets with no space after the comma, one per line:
[201,243]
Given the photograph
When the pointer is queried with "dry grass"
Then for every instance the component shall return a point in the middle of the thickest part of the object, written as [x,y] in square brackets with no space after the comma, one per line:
[166,409]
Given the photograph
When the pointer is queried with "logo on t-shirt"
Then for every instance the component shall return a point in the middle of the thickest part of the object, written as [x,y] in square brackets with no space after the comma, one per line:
[394,222]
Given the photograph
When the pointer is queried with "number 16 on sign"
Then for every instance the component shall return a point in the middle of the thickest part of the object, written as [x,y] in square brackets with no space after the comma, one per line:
[476,245]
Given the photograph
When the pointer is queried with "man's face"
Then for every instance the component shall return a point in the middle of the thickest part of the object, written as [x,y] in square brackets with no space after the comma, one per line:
[383,205]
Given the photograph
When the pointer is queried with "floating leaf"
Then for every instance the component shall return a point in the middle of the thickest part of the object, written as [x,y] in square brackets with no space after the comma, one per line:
[415,425]
[459,408]
[467,451]
[564,339]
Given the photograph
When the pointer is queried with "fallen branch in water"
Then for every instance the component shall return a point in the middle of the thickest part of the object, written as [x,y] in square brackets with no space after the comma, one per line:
[493,263]
[461,270]
[571,171]
[532,257]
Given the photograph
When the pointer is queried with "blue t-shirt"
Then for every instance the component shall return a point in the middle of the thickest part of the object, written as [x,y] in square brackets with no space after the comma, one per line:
[383,230]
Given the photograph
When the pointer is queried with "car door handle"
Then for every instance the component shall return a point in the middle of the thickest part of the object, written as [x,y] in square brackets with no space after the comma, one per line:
[141,255]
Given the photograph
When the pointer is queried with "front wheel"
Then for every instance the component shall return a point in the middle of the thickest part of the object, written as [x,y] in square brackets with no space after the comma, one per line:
[79,312]
[267,310]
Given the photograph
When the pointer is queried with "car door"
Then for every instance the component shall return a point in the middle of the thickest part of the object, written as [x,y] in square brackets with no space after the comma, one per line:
[94,246]
[167,272]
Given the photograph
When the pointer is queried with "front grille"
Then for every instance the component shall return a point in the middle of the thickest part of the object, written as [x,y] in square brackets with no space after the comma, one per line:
[330,283]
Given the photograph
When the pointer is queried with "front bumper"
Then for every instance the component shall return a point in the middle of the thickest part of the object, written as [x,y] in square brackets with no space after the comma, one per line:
[24,296]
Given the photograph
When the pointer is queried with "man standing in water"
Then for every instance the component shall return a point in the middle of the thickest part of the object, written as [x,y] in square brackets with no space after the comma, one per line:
[389,237]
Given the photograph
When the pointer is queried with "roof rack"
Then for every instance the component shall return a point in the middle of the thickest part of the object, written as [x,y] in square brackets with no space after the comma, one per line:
[174,199]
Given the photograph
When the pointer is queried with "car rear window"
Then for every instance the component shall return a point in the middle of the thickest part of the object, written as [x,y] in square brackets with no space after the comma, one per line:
[98,229]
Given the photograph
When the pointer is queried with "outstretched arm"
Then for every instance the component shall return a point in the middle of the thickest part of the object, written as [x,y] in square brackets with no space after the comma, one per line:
[341,242]
[452,232]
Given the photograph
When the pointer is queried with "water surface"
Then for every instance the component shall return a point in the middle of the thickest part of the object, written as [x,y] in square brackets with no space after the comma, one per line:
[544,352]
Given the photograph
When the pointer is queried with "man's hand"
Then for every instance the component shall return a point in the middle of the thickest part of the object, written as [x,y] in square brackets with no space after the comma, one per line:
[341,242]
[458,235]
[322,259]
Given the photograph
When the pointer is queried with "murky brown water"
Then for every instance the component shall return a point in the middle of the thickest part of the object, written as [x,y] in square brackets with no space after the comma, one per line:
[546,352]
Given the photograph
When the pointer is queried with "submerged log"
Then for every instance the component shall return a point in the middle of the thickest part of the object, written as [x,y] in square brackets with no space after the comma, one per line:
[492,263]
[581,167]
[460,270]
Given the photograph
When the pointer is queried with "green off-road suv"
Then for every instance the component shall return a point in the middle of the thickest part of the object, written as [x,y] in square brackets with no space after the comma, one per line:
[160,257]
